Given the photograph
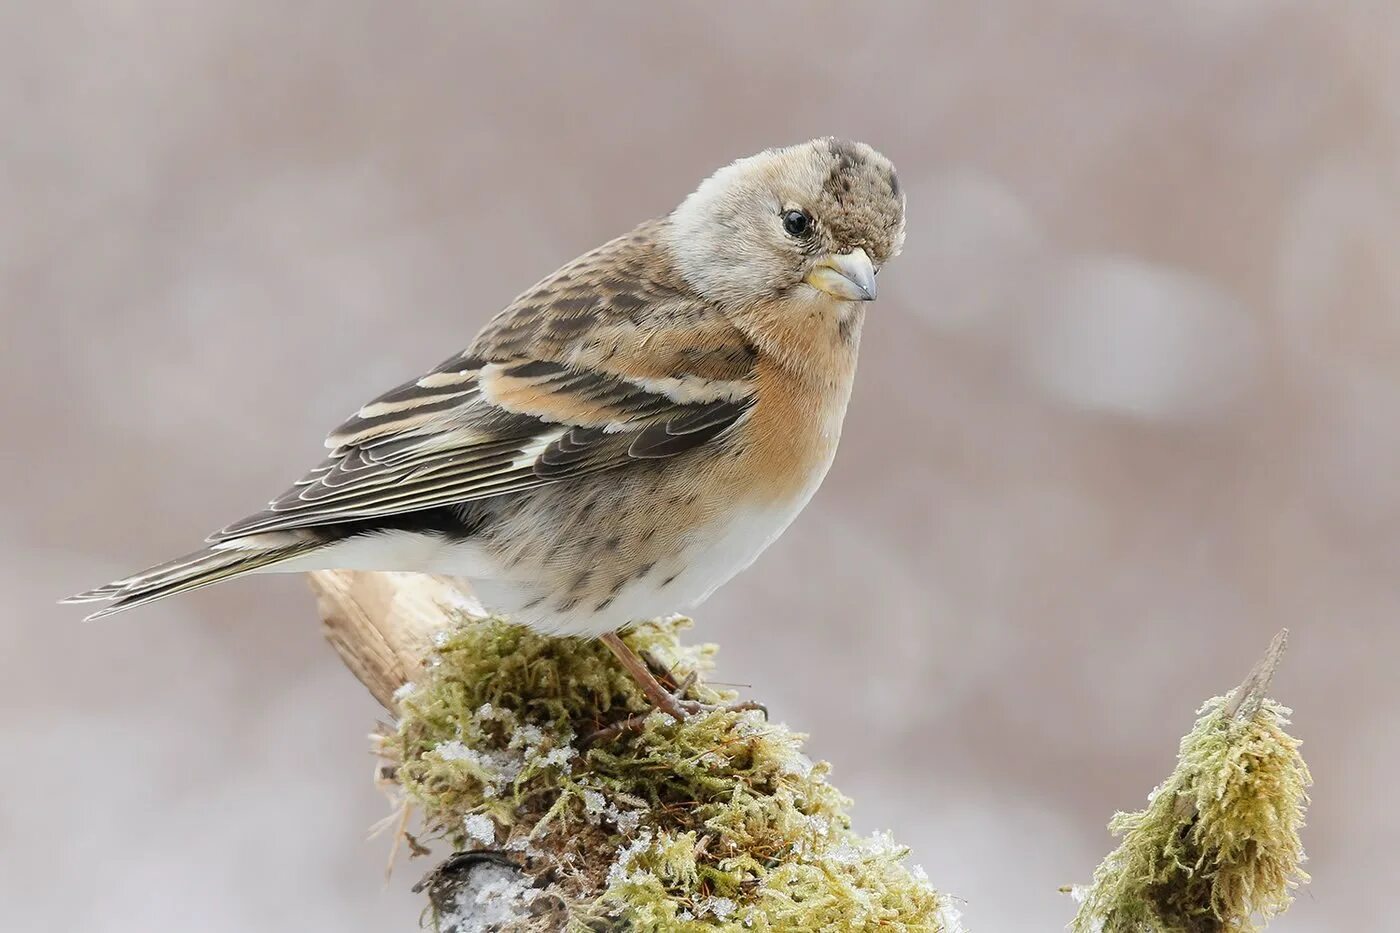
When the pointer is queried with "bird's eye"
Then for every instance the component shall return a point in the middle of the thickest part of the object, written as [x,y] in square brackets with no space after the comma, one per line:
[797,223]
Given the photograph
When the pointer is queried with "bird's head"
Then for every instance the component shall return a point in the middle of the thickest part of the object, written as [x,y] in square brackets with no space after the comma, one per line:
[813,220]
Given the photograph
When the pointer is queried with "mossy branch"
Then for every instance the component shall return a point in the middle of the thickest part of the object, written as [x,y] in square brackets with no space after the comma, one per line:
[719,822]
[1218,847]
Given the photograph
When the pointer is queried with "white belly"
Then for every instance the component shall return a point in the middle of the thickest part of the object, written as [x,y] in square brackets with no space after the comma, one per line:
[709,560]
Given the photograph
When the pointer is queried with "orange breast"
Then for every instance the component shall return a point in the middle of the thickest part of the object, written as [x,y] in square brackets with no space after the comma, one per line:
[790,438]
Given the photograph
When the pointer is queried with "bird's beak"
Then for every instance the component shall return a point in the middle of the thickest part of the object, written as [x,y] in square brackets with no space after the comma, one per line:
[848,276]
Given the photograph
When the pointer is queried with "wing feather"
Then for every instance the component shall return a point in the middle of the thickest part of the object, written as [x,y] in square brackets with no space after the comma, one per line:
[612,360]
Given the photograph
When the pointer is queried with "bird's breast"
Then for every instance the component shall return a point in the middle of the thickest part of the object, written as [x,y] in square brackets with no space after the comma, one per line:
[790,438]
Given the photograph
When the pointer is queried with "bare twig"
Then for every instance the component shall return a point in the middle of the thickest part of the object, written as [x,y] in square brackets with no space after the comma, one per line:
[1250,695]
[1245,700]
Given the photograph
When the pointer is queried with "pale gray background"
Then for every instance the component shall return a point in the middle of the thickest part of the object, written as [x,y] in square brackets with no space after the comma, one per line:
[1127,405]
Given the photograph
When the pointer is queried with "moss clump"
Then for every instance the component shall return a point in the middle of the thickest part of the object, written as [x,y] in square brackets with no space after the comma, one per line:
[716,823]
[1217,847]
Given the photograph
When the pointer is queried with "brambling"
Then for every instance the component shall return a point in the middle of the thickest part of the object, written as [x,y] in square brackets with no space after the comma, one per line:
[626,435]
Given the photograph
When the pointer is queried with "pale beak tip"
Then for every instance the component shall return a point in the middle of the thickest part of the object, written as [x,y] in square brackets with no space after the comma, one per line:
[848,276]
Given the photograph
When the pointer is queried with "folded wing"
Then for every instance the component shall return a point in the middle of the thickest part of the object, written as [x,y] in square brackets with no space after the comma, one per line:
[582,374]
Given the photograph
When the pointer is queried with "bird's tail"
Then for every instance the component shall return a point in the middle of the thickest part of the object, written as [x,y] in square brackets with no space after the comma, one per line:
[198,568]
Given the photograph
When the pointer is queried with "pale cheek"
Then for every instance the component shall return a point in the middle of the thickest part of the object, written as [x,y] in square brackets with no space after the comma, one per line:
[761,280]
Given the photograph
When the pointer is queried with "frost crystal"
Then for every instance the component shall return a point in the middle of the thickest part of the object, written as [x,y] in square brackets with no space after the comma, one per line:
[799,764]
[949,918]
[626,821]
[617,873]
[492,896]
[480,827]
[721,907]
[454,750]
[559,757]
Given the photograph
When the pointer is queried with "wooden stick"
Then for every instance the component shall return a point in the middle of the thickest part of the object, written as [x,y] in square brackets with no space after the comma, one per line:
[383,624]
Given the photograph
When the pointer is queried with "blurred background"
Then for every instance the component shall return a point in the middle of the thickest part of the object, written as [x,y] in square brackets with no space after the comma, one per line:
[1127,406]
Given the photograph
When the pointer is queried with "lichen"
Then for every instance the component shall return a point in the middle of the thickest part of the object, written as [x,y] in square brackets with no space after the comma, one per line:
[719,822]
[1218,846]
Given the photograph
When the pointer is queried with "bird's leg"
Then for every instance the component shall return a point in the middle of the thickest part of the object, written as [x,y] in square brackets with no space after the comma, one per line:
[670,703]
[659,696]
[665,676]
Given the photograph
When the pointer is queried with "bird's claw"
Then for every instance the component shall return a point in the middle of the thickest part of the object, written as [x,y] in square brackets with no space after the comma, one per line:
[677,708]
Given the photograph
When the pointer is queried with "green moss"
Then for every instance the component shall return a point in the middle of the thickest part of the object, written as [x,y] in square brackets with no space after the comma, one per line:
[716,823]
[1218,846]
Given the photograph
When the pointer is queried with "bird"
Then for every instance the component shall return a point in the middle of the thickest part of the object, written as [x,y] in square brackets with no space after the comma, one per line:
[625,436]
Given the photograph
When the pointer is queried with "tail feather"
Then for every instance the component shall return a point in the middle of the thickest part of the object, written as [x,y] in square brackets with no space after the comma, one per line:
[190,572]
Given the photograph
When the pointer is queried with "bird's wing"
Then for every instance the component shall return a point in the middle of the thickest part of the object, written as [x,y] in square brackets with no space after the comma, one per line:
[606,363]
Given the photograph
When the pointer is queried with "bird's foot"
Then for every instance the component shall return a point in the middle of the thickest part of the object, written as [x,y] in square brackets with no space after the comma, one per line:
[678,708]
[668,697]
[672,701]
